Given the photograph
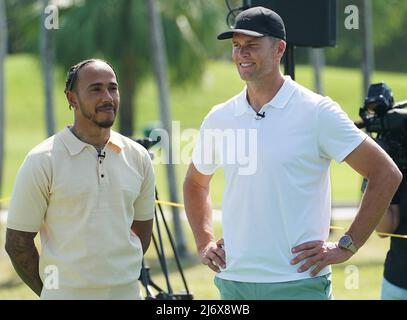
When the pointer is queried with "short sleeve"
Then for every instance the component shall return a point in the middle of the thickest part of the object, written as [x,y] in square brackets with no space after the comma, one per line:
[205,155]
[144,205]
[30,197]
[337,134]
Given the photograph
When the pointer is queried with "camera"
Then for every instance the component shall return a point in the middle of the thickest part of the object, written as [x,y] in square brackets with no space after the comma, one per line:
[386,122]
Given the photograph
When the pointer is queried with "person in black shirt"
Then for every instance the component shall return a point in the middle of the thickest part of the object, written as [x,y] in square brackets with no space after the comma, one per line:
[394,285]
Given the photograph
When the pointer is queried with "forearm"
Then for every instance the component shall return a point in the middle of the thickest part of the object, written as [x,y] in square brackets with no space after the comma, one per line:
[143,229]
[198,207]
[379,192]
[25,259]
[26,266]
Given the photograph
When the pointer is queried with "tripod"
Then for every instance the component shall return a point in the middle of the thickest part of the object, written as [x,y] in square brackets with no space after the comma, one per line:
[145,278]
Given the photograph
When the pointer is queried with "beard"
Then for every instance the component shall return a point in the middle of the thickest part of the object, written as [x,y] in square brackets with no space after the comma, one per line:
[108,123]
[104,124]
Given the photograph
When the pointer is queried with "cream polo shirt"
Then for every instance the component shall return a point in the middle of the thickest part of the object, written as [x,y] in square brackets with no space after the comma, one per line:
[277,184]
[84,208]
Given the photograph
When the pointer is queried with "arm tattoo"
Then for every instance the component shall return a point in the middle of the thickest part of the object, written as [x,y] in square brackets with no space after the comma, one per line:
[25,258]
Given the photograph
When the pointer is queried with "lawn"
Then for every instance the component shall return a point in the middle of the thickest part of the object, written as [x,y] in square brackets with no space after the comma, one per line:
[357,279]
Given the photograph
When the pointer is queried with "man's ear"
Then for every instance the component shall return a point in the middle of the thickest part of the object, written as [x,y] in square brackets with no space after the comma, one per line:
[72,99]
[281,48]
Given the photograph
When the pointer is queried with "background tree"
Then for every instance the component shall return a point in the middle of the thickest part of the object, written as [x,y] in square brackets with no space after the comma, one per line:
[47,62]
[389,25]
[23,18]
[389,37]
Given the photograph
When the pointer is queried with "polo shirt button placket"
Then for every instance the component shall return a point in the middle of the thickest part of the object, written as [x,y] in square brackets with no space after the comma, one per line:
[101,171]
[266,111]
[257,121]
[103,178]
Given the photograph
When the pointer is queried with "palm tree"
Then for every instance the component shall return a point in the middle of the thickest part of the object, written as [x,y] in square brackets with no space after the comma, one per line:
[367,45]
[47,58]
[160,70]
[117,30]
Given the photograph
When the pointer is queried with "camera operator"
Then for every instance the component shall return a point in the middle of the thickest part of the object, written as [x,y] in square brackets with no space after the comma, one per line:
[387,121]
[394,284]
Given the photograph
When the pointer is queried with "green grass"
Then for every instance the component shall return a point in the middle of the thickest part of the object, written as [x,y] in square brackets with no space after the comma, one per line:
[366,269]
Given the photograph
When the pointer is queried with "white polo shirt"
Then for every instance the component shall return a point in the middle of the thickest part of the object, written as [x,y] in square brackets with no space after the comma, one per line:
[277,184]
[84,207]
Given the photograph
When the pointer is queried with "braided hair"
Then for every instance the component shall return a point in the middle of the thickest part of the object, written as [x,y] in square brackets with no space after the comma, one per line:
[72,74]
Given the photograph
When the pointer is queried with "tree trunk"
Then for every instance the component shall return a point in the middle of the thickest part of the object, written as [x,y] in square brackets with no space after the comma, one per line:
[47,60]
[127,91]
[160,71]
[368,49]
[127,74]
[3,53]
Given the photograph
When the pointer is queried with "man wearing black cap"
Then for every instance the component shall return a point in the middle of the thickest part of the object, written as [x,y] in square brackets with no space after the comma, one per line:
[275,141]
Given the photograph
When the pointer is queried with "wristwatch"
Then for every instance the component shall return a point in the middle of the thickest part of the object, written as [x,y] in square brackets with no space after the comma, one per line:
[346,242]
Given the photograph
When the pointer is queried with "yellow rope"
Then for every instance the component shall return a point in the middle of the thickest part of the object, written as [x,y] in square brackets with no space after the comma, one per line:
[170,204]
[403,236]
[173,204]
[178,205]
[337,228]
[4,200]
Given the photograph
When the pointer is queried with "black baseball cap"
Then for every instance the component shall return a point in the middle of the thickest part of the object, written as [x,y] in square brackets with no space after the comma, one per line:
[257,22]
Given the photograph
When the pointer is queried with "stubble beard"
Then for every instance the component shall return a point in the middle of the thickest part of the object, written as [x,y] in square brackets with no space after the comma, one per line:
[246,76]
[92,117]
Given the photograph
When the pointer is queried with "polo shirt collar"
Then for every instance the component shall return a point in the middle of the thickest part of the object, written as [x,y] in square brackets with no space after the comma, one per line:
[279,101]
[75,146]
[115,142]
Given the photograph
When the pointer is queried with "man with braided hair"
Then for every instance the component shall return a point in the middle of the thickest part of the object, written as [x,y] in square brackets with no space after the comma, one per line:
[89,191]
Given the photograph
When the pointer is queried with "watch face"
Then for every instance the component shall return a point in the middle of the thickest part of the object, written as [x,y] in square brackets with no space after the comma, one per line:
[345,241]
